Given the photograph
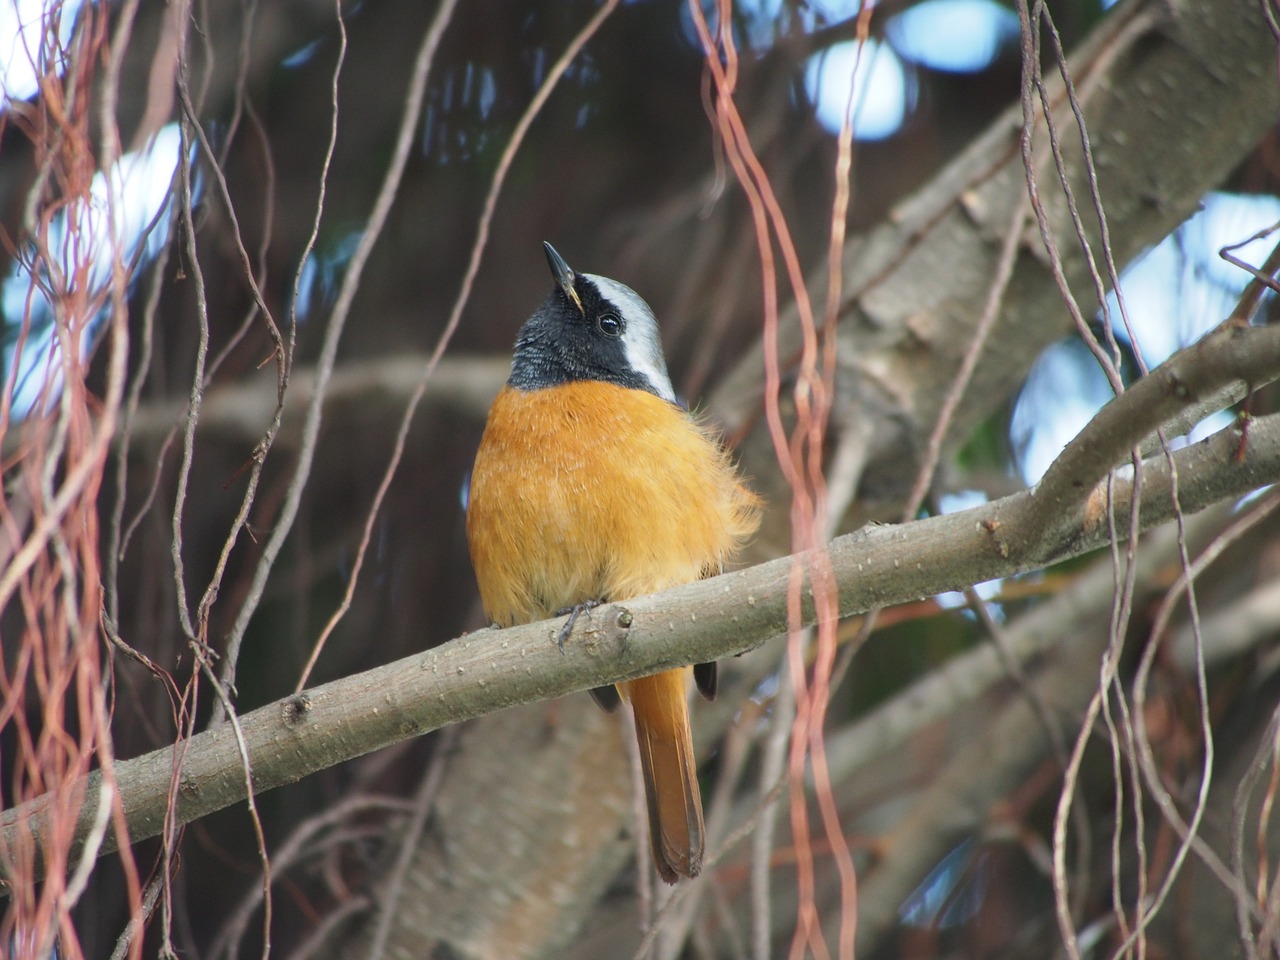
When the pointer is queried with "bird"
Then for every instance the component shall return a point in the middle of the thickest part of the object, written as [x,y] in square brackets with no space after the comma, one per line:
[592,484]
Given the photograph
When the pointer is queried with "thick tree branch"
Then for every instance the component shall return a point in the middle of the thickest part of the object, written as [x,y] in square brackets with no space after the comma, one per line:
[374,390]
[728,615]
[362,395]
[1230,357]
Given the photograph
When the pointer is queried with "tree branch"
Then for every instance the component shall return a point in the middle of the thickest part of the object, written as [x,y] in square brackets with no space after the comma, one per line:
[364,392]
[1228,357]
[721,617]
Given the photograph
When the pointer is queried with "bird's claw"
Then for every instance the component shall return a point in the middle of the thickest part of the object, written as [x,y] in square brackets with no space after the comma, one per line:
[574,612]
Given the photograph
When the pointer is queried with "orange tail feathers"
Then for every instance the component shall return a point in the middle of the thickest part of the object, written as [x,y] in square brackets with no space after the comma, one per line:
[667,762]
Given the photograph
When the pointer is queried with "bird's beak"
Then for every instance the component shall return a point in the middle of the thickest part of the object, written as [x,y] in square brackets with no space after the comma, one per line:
[564,275]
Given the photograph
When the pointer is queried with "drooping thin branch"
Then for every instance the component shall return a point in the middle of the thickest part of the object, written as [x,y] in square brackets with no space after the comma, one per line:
[1265,755]
[800,456]
[196,393]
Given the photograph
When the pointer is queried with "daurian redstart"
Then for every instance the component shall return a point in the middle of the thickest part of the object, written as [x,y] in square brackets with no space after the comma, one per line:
[593,484]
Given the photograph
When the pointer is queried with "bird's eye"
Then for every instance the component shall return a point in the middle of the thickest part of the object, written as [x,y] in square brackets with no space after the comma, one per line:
[610,324]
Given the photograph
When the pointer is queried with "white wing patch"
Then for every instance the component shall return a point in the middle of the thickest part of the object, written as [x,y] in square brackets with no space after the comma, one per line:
[640,341]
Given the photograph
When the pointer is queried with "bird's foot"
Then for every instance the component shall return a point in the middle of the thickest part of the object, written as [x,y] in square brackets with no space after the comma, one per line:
[574,612]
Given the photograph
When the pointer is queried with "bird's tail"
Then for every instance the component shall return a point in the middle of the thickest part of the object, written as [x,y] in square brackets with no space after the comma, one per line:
[670,772]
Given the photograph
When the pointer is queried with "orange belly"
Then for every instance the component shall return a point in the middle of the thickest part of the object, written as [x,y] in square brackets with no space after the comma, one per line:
[591,491]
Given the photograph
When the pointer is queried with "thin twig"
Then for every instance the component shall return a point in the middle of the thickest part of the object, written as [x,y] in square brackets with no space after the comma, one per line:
[1266,754]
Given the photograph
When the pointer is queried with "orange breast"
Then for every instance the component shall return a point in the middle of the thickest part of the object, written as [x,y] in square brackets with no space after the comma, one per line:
[594,491]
